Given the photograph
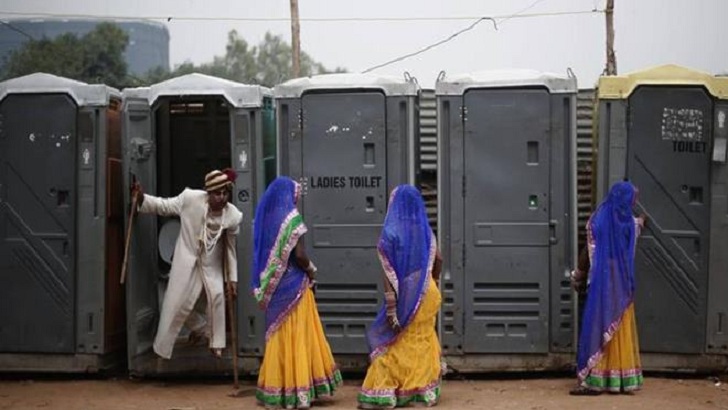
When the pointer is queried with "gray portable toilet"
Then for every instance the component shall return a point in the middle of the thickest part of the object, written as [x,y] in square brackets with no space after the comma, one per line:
[665,130]
[61,223]
[174,133]
[507,223]
[350,139]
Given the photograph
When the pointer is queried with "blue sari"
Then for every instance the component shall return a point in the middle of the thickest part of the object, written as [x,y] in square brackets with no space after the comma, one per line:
[298,367]
[277,281]
[611,286]
[407,251]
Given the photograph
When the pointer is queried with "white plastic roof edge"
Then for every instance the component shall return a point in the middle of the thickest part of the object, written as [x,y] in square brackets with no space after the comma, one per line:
[237,94]
[459,83]
[41,83]
[390,85]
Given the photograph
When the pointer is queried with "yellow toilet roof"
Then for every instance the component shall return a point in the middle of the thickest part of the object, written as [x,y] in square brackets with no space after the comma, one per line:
[622,86]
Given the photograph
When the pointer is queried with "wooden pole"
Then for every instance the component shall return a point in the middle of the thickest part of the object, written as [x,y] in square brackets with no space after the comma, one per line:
[124,264]
[295,39]
[611,68]
[230,312]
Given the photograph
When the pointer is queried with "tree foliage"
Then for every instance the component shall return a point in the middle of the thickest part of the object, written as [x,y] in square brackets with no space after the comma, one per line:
[269,63]
[97,57]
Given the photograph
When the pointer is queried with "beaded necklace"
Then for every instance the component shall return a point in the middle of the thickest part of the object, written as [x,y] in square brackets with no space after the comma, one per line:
[211,231]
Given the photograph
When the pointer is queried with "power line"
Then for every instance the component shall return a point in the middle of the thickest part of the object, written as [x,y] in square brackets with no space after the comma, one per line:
[451,37]
[495,21]
[520,12]
[12,27]
[285,19]
[431,46]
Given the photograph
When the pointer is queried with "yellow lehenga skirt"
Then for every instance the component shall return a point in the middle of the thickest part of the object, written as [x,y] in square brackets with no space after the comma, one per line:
[298,366]
[410,370]
[619,369]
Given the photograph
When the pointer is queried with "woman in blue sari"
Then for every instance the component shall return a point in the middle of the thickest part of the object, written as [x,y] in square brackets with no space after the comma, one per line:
[404,350]
[608,353]
[298,366]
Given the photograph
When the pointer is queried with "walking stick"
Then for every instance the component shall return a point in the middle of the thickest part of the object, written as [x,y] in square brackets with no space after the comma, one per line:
[124,264]
[230,312]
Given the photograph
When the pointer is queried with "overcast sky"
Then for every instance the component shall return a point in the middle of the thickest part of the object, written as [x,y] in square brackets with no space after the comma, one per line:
[648,32]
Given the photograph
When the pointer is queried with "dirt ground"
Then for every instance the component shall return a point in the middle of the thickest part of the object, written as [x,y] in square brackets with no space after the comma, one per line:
[493,393]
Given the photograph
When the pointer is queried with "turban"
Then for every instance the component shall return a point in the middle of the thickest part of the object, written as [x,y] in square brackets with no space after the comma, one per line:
[215,180]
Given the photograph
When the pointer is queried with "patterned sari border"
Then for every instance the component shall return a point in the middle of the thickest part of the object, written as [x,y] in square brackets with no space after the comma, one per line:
[301,396]
[388,271]
[612,329]
[596,357]
[291,229]
[284,315]
[430,262]
[616,373]
[616,383]
[429,395]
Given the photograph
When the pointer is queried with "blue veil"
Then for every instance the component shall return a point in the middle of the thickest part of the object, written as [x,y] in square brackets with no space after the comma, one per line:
[277,281]
[611,287]
[406,250]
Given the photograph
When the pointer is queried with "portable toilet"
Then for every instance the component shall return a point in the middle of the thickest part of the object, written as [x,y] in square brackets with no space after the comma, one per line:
[61,225]
[664,129]
[507,218]
[349,139]
[174,133]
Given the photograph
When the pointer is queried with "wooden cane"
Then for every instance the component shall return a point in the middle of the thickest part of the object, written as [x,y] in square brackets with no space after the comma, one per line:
[132,212]
[231,312]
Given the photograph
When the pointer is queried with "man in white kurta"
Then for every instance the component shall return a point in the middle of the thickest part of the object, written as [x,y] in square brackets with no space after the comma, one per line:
[208,228]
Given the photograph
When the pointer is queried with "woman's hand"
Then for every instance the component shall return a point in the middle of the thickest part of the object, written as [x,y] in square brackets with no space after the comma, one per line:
[311,270]
[642,220]
[393,323]
[391,301]
[312,284]
[578,280]
[437,267]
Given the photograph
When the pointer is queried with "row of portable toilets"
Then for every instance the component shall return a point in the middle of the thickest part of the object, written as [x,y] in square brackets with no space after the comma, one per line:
[506,211]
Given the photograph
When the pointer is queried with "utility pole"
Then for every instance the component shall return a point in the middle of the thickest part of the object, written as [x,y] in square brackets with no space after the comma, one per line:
[295,39]
[611,68]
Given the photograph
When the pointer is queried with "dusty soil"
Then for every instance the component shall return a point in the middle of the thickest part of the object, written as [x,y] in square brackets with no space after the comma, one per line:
[491,394]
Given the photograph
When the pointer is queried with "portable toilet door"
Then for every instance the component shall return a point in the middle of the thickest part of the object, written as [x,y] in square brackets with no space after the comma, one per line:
[507,215]
[174,133]
[349,139]
[664,129]
[60,225]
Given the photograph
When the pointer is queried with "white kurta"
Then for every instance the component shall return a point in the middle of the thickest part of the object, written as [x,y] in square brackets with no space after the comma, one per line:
[192,268]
